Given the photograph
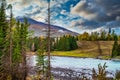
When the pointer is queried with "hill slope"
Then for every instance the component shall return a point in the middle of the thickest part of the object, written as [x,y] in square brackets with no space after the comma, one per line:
[40,28]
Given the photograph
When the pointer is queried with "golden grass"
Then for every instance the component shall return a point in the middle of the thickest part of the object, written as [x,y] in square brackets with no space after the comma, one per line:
[74,53]
[88,49]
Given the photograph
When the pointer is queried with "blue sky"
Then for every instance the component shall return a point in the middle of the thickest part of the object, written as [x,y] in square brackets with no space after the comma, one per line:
[76,15]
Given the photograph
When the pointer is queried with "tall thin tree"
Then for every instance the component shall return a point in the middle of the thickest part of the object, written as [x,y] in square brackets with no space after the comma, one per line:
[10,36]
[48,37]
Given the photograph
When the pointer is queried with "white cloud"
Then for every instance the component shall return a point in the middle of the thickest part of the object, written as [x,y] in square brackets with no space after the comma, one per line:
[97,10]
[77,23]
[63,12]
[85,9]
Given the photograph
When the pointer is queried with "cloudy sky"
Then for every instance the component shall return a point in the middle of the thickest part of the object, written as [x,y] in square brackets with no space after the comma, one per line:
[76,15]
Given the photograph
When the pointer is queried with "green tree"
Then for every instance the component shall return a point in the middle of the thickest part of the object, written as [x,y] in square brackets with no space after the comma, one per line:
[16,55]
[118,49]
[41,64]
[8,47]
[109,36]
[72,43]
[103,35]
[3,35]
[20,35]
[85,36]
[114,36]
[23,40]
[115,49]
[55,44]
[66,43]
[3,27]
[94,36]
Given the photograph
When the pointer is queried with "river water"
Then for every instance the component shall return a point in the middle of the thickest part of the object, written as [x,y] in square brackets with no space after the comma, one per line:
[79,63]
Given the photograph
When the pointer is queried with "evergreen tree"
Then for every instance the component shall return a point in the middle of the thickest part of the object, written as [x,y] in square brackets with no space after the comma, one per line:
[3,27]
[41,64]
[55,44]
[109,31]
[114,36]
[66,43]
[3,35]
[94,36]
[109,36]
[8,47]
[16,41]
[23,40]
[115,49]
[73,43]
[118,49]
[20,35]
[103,35]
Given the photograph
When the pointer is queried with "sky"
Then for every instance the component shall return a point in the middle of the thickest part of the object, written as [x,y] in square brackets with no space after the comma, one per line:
[75,15]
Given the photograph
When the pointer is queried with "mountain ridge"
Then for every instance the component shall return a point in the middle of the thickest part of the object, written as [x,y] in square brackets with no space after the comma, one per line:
[39,28]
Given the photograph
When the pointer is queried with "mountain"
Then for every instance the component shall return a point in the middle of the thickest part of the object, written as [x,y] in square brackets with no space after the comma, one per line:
[40,28]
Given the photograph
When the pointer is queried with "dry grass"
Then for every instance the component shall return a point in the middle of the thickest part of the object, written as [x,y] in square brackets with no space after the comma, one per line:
[89,49]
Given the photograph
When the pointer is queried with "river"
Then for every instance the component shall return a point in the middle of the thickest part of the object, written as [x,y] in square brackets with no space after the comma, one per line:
[79,63]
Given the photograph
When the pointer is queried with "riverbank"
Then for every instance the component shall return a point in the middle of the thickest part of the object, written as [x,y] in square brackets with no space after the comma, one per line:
[79,54]
[75,53]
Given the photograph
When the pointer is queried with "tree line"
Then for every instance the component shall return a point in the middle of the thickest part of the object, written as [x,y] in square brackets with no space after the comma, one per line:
[99,36]
[63,43]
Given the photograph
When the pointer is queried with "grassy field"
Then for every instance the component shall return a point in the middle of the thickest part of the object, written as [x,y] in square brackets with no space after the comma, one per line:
[89,49]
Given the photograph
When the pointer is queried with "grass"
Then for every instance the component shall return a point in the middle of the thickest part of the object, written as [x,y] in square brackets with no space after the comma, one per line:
[118,57]
[88,49]
[74,53]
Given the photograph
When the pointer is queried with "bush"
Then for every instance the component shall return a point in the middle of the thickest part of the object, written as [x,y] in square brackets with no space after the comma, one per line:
[117,75]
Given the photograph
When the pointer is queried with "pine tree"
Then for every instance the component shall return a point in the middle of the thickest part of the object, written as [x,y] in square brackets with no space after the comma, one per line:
[103,35]
[41,64]
[66,46]
[73,43]
[16,55]
[16,48]
[3,35]
[118,49]
[66,43]
[20,35]
[7,57]
[115,49]
[3,27]
[23,40]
